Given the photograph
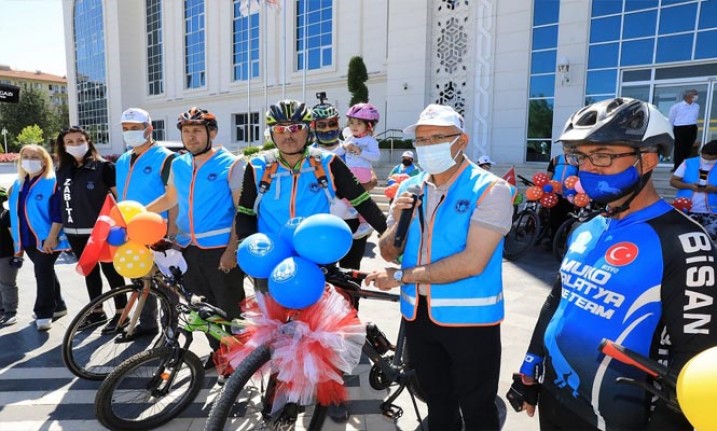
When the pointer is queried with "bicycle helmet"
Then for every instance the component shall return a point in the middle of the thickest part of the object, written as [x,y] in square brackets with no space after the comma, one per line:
[288,111]
[325,111]
[364,111]
[197,116]
[3,194]
[620,121]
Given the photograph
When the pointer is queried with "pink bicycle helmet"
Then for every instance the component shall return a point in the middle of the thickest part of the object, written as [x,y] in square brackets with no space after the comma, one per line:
[364,111]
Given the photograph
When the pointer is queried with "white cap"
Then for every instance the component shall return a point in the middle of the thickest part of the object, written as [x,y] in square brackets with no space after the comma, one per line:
[135,115]
[437,115]
[483,160]
[408,154]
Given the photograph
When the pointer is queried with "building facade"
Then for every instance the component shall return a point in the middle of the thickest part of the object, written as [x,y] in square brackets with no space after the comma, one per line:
[54,86]
[515,69]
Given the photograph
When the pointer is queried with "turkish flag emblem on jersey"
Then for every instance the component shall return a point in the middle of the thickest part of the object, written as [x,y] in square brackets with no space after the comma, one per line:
[621,254]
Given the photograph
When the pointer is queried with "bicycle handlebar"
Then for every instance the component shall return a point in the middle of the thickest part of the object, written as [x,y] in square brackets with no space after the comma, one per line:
[525,181]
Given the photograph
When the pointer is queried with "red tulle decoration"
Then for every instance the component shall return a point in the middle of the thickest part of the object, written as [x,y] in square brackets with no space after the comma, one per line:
[311,348]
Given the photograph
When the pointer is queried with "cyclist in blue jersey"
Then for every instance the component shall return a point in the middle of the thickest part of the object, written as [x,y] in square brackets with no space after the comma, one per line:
[641,274]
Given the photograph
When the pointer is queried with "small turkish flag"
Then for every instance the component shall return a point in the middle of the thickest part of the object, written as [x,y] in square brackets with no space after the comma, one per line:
[98,238]
[510,176]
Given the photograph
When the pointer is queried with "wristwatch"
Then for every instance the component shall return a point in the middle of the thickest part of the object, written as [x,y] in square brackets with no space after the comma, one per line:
[398,275]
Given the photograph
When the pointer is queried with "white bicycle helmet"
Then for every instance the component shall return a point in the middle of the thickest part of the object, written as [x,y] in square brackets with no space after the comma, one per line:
[620,121]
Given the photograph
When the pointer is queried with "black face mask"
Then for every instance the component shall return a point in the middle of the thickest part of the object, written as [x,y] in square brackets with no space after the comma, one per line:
[406,162]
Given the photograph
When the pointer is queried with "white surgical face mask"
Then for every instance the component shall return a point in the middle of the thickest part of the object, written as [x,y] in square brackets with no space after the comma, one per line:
[31,166]
[134,138]
[695,98]
[436,158]
[707,164]
[77,151]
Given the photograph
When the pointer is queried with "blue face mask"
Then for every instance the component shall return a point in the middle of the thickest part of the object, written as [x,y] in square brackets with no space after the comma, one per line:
[329,137]
[604,189]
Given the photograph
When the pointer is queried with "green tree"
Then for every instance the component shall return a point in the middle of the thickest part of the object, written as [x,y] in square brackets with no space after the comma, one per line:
[30,135]
[32,109]
[357,76]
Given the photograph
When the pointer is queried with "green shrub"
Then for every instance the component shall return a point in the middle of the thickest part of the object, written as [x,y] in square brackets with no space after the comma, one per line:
[248,151]
[268,146]
[397,144]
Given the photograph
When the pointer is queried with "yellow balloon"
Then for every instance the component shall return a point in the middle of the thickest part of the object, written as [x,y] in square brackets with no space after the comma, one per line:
[133,260]
[129,209]
[697,390]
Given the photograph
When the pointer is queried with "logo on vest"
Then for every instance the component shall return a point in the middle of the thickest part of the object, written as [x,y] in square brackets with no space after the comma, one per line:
[212,176]
[621,254]
[314,187]
[90,185]
[39,197]
[147,170]
[462,206]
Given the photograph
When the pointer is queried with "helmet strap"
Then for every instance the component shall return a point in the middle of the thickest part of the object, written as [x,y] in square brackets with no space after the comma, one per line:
[207,148]
[611,212]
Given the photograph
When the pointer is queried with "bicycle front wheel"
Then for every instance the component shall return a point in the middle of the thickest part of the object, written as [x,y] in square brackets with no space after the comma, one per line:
[92,352]
[244,401]
[522,236]
[149,389]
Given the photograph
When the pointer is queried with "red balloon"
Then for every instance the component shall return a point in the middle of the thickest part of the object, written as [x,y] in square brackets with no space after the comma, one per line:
[549,200]
[540,179]
[581,200]
[533,193]
[683,204]
[390,191]
[570,181]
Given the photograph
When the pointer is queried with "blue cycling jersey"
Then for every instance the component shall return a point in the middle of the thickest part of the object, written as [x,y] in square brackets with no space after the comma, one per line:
[646,281]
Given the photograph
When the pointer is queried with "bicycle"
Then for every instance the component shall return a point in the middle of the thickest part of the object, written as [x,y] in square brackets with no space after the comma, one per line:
[154,386]
[529,226]
[248,393]
[575,219]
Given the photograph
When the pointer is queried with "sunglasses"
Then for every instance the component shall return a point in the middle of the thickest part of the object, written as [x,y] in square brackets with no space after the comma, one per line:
[72,129]
[291,128]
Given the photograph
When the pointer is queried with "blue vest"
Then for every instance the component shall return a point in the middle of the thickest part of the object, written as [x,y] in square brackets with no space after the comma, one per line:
[37,208]
[472,301]
[206,206]
[292,193]
[142,182]
[692,176]
[563,169]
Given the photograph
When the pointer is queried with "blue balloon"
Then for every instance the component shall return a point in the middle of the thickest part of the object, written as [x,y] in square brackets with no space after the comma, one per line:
[259,253]
[117,236]
[296,283]
[548,188]
[569,192]
[323,238]
[287,231]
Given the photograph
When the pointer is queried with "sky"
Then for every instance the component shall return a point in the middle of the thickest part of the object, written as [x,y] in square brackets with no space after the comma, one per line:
[32,35]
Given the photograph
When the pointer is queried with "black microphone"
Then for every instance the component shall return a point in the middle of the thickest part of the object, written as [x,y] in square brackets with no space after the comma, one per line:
[406,215]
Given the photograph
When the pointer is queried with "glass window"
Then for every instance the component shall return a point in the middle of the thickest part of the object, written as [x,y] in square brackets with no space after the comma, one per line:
[641,92]
[603,56]
[678,18]
[639,24]
[670,2]
[542,86]
[90,69]
[631,5]
[606,7]
[246,41]
[246,128]
[708,14]
[605,29]
[545,37]
[589,100]
[636,75]
[316,16]
[154,47]
[545,12]
[674,48]
[194,48]
[706,44]
[543,61]
[158,130]
[636,52]
[601,82]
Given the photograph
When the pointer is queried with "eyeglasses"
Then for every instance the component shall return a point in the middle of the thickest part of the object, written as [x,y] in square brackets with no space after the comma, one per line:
[72,129]
[435,139]
[291,128]
[601,160]
[330,124]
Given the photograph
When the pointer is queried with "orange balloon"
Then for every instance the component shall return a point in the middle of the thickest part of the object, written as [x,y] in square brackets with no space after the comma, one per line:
[390,191]
[540,179]
[533,193]
[549,200]
[146,228]
[557,187]
[570,181]
[581,200]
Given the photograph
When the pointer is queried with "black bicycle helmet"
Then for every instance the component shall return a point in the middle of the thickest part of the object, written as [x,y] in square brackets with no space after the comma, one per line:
[324,111]
[3,194]
[620,121]
[197,116]
[288,111]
